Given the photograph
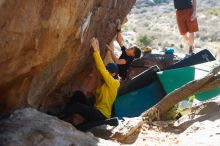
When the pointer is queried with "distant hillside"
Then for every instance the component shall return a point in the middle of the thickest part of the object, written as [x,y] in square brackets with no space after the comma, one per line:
[153,22]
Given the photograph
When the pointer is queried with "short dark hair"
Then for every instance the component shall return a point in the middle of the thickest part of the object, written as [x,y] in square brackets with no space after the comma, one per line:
[137,52]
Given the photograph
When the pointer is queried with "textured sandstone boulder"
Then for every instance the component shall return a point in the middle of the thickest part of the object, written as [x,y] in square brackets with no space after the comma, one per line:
[44,48]
[28,127]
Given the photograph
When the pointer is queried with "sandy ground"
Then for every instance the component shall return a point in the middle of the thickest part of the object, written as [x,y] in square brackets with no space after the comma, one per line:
[202,128]
[206,133]
[158,23]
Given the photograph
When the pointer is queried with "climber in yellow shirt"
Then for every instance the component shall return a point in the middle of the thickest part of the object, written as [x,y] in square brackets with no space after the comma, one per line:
[80,109]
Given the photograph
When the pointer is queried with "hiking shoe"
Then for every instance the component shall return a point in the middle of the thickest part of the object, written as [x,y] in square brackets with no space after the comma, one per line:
[112,122]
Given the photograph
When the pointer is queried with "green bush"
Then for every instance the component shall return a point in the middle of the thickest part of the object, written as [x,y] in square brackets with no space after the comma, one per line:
[214,11]
[125,28]
[144,41]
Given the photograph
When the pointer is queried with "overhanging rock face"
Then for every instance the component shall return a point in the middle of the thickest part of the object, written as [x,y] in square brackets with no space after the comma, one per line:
[45,51]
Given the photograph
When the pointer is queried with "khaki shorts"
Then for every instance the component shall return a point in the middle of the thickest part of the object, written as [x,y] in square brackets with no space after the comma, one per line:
[184,23]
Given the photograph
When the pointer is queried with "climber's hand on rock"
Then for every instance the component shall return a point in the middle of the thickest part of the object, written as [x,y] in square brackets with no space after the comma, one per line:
[118,24]
[95,44]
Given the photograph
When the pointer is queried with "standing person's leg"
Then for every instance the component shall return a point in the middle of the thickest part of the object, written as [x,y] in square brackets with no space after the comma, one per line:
[191,38]
[192,28]
[186,38]
[191,42]
[182,25]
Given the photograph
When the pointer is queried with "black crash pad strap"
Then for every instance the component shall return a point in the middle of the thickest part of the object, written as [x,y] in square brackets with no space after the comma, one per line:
[86,126]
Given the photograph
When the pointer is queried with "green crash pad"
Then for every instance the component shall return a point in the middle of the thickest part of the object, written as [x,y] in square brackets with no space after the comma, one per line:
[134,103]
[175,78]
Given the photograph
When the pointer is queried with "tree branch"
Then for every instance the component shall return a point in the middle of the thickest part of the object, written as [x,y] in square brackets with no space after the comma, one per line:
[211,81]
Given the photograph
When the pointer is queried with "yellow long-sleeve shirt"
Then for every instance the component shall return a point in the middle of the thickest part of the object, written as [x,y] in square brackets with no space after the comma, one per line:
[107,92]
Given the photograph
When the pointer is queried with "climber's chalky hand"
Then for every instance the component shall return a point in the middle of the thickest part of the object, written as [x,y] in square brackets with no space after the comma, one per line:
[95,44]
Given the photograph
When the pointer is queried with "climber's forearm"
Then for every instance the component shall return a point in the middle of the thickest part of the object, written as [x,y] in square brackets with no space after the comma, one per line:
[114,58]
[120,39]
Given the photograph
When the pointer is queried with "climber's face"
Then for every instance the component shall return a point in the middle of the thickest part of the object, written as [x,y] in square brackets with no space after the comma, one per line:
[130,52]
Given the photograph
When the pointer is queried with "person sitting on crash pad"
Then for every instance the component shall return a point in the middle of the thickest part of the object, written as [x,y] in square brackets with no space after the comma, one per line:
[80,109]
[127,56]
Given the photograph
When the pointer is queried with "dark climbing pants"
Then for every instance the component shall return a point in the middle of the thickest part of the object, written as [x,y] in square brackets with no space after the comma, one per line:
[80,104]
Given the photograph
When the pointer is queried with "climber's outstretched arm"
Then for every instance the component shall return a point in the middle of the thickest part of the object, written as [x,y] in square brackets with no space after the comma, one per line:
[109,80]
[120,39]
[119,36]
